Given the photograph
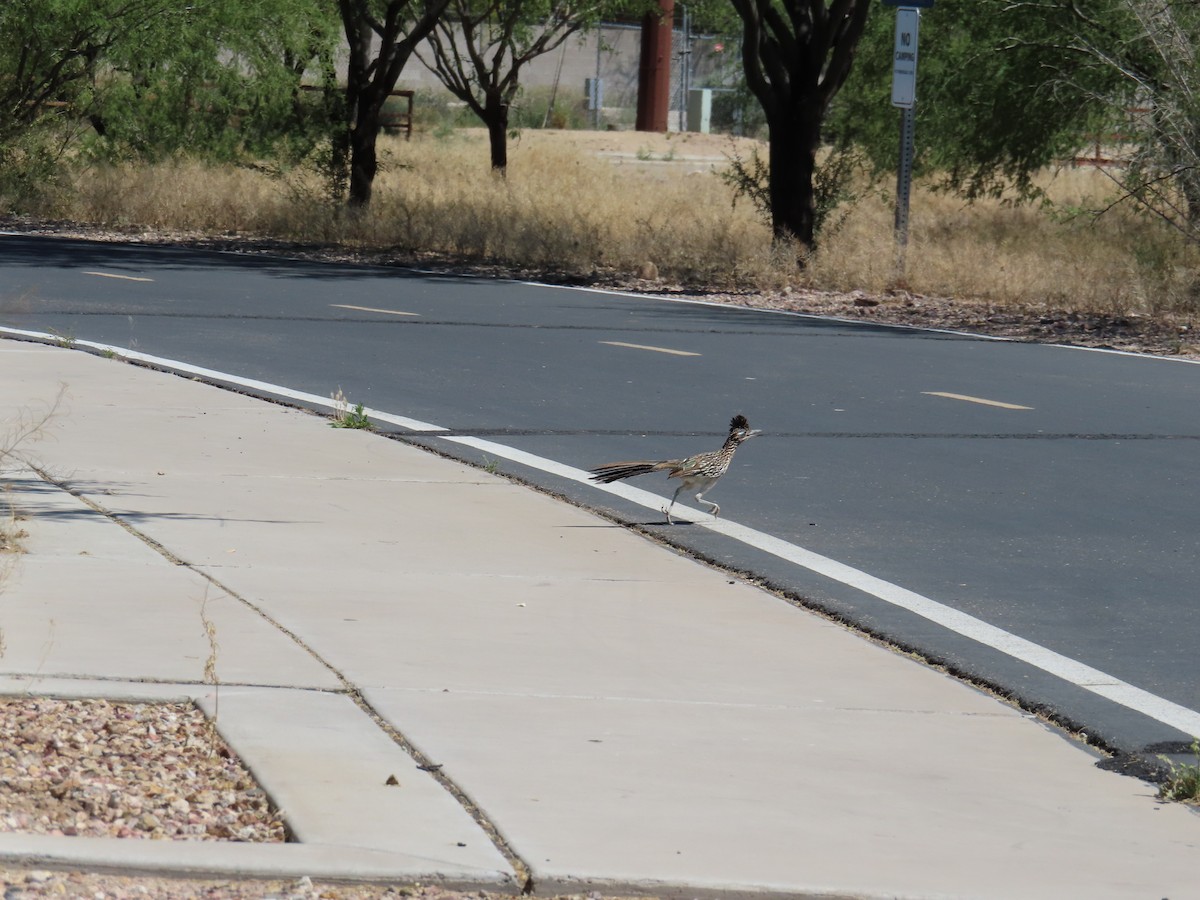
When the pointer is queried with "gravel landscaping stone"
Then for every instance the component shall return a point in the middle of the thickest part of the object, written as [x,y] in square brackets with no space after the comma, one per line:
[128,770]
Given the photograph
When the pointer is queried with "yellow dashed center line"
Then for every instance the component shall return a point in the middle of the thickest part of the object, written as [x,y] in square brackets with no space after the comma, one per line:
[654,349]
[114,275]
[970,399]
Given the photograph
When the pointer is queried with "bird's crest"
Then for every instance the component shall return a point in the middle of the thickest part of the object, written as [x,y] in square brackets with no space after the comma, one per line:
[739,421]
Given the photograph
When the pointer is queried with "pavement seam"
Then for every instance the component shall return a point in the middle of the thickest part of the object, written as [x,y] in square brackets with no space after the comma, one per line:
[151,680]
[521,869]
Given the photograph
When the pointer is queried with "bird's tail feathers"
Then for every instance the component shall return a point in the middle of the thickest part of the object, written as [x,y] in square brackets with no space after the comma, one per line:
[619,471]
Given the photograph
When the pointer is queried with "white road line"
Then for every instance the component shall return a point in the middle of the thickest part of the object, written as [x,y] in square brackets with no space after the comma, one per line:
[1070,670]
[970,399]
[646,347]
[388,312]
[114,275]
[252,384]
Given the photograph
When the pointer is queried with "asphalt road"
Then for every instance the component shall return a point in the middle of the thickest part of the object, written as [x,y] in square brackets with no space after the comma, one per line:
[1049,494]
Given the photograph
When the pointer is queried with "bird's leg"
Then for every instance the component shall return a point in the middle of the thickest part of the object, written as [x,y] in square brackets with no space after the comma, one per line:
[700,499]
[671,521]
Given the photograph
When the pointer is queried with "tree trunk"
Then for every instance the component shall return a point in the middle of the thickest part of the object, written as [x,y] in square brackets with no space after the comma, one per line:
[495,117]
[364,161]
[378,52]
[795,136]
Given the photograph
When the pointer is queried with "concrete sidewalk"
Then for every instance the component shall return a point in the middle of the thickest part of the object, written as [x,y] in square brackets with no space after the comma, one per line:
[624,716]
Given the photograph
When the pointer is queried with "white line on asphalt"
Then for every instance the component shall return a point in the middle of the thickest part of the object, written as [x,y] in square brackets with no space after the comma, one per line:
[250,383]
[970,399]
[114,275]
[388,312]
[647,347]
[1070,670]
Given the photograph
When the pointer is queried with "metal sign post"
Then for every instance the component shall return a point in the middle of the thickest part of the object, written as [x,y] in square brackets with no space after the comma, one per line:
[908,127]
[904,96]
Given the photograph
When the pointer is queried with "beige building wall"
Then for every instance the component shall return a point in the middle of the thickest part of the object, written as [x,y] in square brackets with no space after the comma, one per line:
[572,64]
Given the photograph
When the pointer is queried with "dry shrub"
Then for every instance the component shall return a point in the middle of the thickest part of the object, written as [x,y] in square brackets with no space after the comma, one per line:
[563,207]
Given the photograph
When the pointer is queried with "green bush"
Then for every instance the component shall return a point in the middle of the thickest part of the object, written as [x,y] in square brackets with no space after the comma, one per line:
[530,107]
[738,112]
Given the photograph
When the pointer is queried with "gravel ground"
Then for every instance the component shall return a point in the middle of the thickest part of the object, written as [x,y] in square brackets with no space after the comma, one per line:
[27,884]
[127,770]
[143,771]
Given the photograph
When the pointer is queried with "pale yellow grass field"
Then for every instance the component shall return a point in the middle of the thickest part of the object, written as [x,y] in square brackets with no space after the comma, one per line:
[584,202]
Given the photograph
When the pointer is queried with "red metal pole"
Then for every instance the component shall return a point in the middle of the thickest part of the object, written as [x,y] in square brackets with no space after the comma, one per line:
[654,71]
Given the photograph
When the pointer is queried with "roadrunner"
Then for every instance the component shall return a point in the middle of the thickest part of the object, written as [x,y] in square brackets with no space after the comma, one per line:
[696,473]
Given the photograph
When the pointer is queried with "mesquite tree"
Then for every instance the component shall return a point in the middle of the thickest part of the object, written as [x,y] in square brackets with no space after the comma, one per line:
[151,78]
[478,48]
[797,54]
[51,52]
[1010,87]
[219,80]
[382,35]
[1001,95]
[1149,50]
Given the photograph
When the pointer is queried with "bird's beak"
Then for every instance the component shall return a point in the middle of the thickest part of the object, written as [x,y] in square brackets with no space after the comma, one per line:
[753,432]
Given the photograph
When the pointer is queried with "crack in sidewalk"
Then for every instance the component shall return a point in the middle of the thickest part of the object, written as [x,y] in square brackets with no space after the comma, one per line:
[521,869]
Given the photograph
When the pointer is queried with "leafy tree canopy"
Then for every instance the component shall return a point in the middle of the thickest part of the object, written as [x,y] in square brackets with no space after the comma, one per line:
[1000,93]
[216,77]
[221,77]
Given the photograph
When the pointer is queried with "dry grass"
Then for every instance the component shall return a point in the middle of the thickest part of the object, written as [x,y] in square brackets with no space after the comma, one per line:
[1022,258]
[559,208]
[11,532]
[568,208]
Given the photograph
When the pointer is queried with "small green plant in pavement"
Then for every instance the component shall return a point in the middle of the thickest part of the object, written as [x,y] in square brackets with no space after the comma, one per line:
[353,418]
[1183,779]
[345,416]
[66,340]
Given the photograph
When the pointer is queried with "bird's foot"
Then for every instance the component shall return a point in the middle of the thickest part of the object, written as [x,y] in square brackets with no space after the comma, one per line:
[667,512]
